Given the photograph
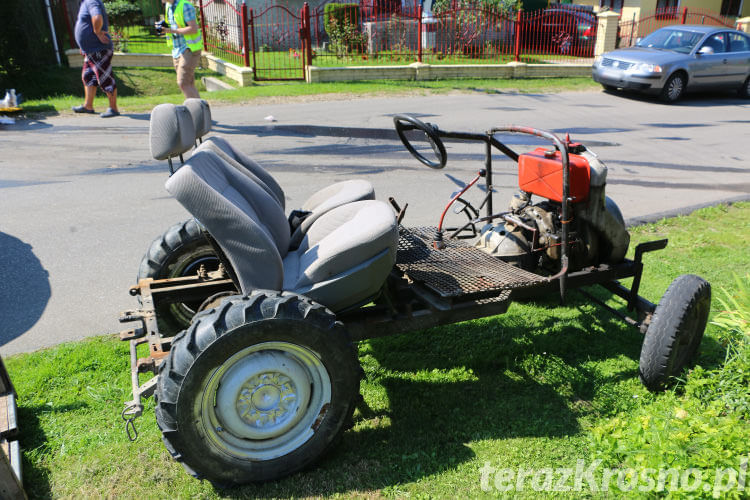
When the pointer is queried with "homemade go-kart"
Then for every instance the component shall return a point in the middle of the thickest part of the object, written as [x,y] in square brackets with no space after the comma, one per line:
[264,379]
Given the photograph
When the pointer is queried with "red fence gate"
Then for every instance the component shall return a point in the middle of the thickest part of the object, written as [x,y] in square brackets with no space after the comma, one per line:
[279,43]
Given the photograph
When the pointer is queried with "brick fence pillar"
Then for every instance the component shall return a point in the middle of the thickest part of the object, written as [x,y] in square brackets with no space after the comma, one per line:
[606,33]
[744,24]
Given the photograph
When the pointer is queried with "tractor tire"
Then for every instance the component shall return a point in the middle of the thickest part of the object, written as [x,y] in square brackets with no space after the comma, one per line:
[675,332]
[257,389]
[180,251]
[674,89]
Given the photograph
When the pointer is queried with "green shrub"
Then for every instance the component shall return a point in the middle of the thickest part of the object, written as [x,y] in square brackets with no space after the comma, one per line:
[123,13]
[340,14]
[673,433]
[502,7]
[342,26]
[731,383]
[25,41]
[707,426]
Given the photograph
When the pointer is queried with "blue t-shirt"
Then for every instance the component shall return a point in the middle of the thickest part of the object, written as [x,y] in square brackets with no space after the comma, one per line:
[84,31]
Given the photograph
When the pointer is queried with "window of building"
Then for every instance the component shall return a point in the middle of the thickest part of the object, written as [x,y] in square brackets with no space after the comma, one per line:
[615,5]
[667,4]
[731,7]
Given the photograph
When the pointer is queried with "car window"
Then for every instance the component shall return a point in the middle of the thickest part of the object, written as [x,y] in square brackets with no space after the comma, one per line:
[738,43]
[718,42]
[672,39]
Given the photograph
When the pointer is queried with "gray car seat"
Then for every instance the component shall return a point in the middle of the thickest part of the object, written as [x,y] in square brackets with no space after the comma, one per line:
[200,111]
[326,199]
[342,260]
[171,132]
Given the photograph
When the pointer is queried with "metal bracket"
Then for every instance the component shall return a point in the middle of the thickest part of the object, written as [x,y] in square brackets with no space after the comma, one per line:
[648,246]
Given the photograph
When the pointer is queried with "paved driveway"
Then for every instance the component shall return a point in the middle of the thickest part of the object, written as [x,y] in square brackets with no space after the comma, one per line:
[80,198]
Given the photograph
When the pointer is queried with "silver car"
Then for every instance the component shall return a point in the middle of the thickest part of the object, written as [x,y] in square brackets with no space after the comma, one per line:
[674,59]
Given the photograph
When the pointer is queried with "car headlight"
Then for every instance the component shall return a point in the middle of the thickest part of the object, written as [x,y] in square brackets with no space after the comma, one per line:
[647,68]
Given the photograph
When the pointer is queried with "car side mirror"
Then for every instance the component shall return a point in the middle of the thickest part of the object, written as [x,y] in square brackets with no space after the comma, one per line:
[705,51]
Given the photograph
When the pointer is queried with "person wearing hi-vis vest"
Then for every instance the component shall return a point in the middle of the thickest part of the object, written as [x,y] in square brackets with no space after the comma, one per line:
[185,39]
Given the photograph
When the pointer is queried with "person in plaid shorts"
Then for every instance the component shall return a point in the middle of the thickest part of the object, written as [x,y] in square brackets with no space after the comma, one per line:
[91,33]
[186,41]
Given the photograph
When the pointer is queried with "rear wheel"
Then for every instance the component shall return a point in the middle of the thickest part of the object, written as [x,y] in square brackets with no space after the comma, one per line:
[675,332]
[257,389]
[674,88]
[180,251]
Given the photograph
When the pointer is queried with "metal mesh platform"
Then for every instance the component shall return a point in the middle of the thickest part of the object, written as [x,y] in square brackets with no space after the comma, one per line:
[460,270]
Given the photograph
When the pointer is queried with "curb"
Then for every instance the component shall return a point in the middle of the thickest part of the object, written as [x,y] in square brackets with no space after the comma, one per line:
[676,212]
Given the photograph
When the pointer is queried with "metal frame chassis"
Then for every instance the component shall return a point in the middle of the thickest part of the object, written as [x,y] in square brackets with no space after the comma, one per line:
[402,306]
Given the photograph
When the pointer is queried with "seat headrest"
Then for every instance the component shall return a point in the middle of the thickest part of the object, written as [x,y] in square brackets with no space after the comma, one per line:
[201,113]
[171,131]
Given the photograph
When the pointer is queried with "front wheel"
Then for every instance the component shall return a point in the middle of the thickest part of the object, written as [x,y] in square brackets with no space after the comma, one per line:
[257,389]
[675,331]
[674,88]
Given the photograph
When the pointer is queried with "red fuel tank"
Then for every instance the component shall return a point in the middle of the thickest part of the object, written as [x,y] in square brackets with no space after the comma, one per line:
[540,173]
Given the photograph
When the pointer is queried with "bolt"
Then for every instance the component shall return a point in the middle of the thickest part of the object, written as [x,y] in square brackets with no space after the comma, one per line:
[219,428]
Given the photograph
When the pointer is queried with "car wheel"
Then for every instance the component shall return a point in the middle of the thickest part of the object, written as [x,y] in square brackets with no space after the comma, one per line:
[744,91]
[674,88]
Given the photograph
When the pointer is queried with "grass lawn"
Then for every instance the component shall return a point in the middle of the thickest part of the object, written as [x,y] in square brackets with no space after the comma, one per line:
[527,389]
[55,90]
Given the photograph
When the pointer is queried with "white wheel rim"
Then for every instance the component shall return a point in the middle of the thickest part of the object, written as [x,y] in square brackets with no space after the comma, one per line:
[265,401]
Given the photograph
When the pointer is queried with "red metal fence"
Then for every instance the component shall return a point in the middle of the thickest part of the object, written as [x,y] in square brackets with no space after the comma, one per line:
[465,33]
[632,29]
[224,27]
[278,42]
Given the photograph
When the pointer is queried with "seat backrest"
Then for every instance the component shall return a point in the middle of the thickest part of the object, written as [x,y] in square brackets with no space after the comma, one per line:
[715,43]
[251,165]
[211,145]
[200,111]
[171,131]
[244,219]
[328,198]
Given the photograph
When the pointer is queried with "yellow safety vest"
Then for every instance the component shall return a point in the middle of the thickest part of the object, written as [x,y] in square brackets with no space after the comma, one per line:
[194,41]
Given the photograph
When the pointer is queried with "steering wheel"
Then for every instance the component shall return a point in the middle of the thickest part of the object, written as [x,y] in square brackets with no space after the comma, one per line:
[406,122]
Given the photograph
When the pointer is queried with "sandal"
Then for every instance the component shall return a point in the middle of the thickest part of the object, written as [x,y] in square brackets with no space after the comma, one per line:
[81,109]
[110,113]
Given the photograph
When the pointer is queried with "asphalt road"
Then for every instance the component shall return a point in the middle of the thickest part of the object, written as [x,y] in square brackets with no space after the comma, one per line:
[80,198]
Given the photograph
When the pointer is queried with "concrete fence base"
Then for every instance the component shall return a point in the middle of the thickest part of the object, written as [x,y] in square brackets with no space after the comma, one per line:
[243,76]
[422,71]
[316,74]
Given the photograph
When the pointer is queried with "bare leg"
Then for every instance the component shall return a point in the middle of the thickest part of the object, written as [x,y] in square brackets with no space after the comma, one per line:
[185,66]
[89,93]
[112,100]
[189,90]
